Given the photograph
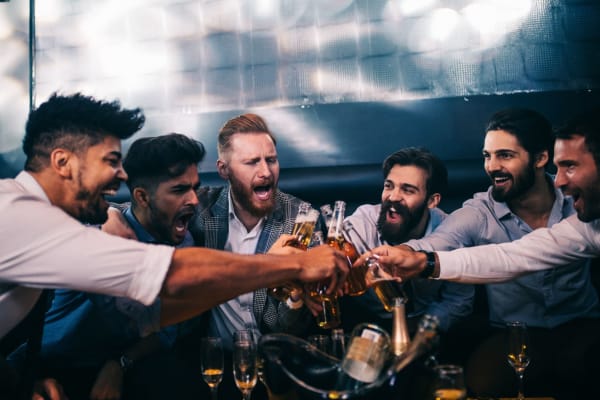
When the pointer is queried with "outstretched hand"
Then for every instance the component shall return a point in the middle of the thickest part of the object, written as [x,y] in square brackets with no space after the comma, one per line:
[400,262]
[117,225]
[323,263]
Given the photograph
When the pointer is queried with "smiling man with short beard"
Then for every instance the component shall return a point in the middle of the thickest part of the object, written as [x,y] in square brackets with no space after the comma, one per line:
[554,303]
[163,179]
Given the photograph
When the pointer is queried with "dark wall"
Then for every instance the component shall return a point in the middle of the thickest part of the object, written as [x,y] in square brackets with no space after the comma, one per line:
[356,137]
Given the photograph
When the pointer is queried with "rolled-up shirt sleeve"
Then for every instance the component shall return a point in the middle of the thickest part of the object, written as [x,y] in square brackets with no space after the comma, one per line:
[544,248]
[43,247]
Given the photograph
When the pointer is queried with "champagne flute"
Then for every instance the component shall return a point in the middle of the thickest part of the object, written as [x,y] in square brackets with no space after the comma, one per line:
[518,350]
[211,358]
[244,362]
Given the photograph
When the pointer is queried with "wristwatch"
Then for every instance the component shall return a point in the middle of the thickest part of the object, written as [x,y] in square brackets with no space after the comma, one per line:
[430,266]
[125,362]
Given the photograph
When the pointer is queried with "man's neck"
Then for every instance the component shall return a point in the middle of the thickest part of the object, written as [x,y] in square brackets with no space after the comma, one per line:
[248,219]
[535,206]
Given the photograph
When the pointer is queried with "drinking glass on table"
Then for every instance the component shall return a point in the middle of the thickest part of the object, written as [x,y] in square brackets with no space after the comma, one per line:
[449,382]
[211,359]
[518,350]
[244,362]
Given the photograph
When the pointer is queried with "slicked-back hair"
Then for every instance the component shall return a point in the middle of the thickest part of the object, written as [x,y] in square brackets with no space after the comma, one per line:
[152,160]
[586,124]
[75,123]
[246,123]
[437,174]
[532,130]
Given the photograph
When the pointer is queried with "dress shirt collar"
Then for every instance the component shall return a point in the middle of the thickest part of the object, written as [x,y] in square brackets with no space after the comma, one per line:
[562,206]
[32,186]
[142,234]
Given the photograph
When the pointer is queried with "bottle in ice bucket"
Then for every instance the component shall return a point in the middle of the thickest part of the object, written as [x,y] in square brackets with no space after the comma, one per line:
[337,239]
[367,353]
[304,225]
[400,335]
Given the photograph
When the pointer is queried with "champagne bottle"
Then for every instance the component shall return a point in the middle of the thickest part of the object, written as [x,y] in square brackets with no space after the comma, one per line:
[368,350]
[400,335]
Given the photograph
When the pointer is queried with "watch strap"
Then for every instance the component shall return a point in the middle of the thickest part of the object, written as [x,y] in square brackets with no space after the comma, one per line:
[430,266]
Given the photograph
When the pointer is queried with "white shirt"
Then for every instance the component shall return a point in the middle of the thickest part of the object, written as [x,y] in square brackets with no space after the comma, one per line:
[565,242]
[43,247]
[237,313]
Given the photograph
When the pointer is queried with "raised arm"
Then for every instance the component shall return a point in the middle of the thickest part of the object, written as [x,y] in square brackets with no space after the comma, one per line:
[200,278]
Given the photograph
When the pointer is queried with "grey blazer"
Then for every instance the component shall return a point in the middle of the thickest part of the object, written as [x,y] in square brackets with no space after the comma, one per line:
[210,228]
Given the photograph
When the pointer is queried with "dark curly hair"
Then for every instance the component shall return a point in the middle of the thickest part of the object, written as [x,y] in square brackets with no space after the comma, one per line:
[75,122]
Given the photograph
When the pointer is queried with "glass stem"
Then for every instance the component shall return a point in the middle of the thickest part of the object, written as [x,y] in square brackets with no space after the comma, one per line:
[520,395]
[213,393]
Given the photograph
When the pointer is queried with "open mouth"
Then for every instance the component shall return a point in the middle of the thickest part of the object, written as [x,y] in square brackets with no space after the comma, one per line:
[182,222]
[109,191]
[263,192]
[393,216]
[501,180]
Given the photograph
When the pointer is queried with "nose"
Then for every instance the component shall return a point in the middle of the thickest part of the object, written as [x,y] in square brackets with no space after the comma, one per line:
[560,179]
[492,164]
[192,198]
[264,170]
[395,195]
[121,174]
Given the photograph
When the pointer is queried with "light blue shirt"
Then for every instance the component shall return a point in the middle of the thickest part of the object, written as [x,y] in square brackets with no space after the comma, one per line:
[543,299]
[446,300]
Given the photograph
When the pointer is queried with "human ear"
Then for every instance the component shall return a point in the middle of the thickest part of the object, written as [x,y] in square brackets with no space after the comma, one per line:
[141,197]
[222,169]
[541,159]
[434,200]
[61,161]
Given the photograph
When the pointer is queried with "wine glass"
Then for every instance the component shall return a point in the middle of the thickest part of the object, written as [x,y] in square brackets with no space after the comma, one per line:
[518,350]
[211,358]
[244,362]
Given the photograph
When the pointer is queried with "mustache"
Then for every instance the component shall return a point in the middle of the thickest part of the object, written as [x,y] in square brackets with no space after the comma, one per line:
[186,211]
[494,175]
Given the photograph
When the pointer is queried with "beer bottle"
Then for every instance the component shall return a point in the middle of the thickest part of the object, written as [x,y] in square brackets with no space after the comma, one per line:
[337,239]
[385,289]
[304,225]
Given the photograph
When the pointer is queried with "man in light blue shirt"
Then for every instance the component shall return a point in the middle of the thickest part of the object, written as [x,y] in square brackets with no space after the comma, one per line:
[414,180]
[555,303]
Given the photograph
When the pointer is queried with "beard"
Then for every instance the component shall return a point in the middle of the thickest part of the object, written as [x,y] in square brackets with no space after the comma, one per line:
[160,224]
[245,195]
[94,209]
[521,184]
[396,233]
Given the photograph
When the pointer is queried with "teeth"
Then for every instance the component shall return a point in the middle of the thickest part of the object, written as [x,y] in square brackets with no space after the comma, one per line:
[109,192]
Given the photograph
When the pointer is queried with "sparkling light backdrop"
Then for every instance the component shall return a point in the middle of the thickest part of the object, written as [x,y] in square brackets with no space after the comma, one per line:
[182,60]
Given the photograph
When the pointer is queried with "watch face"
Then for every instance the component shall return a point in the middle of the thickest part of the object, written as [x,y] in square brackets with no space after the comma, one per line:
[125,363]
